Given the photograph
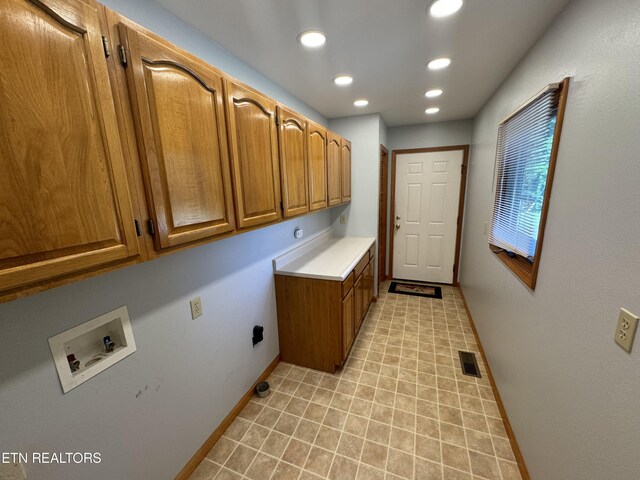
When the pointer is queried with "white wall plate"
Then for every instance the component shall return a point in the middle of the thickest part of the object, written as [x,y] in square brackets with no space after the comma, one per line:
[86,343]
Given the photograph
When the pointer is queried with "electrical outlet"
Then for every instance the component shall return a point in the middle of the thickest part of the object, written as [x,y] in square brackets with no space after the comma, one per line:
[626,329]
[343,219]
[196,308]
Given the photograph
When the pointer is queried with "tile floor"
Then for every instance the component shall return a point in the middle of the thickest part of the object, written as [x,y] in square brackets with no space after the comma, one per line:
[399,409]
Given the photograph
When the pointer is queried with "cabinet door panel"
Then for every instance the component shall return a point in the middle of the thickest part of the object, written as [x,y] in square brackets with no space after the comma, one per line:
[179,111]
[358,301]
[345,159]
[317,160]
[293,162]
[254,155]
[64,199]
[348,326]
[369,286]
[334,169]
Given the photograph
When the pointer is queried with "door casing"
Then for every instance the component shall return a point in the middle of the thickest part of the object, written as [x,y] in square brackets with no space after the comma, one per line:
[463,184]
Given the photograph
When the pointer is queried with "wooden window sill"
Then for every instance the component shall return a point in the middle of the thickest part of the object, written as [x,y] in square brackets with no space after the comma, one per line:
[522,268]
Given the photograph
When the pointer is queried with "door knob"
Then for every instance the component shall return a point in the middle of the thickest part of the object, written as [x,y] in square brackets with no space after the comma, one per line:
[397,217]
[397,226]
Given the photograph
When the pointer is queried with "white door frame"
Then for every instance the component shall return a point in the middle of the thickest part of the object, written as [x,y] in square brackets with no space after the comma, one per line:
[463,184]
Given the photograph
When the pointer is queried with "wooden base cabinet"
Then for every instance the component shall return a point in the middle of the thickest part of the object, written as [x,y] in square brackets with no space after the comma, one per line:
[348,323]
[318,320]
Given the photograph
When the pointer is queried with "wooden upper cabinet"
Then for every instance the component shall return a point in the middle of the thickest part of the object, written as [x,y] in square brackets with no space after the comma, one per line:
[317,161]
[345,156]
[292,136]
[65,205]
[334,169]
[178,108]
[254,155]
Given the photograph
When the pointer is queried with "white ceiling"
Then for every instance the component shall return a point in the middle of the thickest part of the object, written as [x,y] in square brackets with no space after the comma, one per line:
[383,44]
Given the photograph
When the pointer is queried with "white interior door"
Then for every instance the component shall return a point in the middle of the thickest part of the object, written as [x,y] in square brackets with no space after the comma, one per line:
[426,215]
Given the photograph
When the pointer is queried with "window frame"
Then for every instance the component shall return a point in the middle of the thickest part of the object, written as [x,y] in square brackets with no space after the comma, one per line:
[524,269]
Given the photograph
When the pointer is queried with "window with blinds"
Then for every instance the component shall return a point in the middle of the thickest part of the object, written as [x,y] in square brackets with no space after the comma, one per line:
[525,160]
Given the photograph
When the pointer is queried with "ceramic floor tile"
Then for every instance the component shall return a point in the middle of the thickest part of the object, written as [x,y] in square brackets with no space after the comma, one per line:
[400,408]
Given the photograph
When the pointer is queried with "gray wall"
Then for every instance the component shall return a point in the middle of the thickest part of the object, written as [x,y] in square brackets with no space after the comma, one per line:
[430,135]
[362,213]
[571,394]
[149,414]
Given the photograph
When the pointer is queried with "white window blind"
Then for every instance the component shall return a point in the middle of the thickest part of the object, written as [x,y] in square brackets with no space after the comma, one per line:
[525,141]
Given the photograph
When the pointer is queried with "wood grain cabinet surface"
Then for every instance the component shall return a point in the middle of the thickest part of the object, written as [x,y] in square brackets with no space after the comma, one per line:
[345,161]
[64,196]
[254,155]
[106,126]
[292,138]
[317,162]
[348,324]
[318,320]
[178,108]
[334,169]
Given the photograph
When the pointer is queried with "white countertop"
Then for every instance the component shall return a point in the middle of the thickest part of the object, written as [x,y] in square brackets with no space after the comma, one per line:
[325,257]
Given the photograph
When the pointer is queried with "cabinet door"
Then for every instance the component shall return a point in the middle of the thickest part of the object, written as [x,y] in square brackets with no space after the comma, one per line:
[254,155]
[178,108]
[317,161]
[292,136]
[358,301]
[345,159]
[65,205]
[369,285]
[348,325]
[334,169]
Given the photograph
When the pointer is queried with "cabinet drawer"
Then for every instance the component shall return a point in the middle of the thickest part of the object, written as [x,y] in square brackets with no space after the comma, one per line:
[347,284]
[362,264]
[372,251]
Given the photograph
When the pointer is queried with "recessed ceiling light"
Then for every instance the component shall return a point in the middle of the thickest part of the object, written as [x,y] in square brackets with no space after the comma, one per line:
[312,39]
[433,93]
[363,102]
[343,80]
[432,110]
[444,8]
[439,63]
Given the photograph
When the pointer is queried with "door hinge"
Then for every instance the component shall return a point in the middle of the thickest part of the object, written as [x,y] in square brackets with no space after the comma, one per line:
[105,46]
[123,55]
[138,229]
[277,121]
[281,205]
[151,227]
